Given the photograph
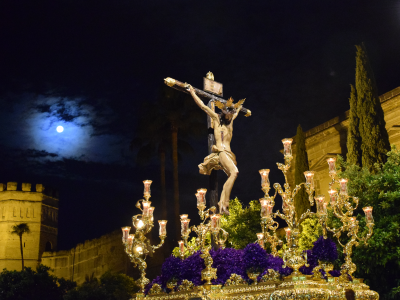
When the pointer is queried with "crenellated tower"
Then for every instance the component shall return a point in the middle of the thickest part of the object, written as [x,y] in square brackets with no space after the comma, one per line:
[39,209]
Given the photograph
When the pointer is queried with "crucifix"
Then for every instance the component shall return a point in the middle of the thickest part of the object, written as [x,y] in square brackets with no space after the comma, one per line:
[220,127]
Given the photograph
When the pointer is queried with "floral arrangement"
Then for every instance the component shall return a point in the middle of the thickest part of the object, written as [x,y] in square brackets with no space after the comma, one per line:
[324,250]
[227,261]
[253,258]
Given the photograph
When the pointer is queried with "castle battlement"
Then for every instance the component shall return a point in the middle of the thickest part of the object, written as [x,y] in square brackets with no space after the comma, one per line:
[27,187]
[36,206]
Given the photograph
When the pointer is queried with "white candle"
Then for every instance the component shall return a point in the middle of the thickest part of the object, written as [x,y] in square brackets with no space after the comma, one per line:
[147,191]
[125,233]
[264,178]
[163,228]
[368,214]
[287,147]
[331,163]
[343,186]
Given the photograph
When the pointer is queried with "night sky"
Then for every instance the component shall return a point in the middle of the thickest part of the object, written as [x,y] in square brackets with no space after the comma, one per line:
[90,65]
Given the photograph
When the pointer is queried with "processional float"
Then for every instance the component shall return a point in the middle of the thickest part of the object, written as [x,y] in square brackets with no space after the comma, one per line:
[272,286]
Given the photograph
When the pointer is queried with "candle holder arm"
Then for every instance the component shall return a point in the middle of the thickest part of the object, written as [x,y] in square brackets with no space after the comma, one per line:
[278,188]
[283,217]
[304,216]
[338,235]
[356,200]
[272,227]
[155,247]
[337,212]
[368,235]
[297,189]
[137,205]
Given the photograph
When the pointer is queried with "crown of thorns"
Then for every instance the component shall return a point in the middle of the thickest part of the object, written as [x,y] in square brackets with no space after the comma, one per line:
[229,104]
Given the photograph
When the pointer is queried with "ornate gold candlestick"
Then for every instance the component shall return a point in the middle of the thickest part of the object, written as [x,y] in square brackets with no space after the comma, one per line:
[342,205]
[213,227]
[267,222]
[137,245]
[293,256]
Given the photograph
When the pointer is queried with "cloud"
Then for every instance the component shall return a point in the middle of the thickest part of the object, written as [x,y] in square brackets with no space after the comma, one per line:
[31,122]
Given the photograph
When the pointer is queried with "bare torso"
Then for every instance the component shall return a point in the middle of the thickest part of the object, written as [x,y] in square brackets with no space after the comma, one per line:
[223,135]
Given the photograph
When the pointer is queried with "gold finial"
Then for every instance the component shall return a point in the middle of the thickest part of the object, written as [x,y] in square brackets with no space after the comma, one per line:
[169,81]
[210,75]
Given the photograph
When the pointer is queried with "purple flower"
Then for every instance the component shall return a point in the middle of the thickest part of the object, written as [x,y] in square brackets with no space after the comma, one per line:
[172,268]
[325,249]
[312,260]
[227,261]
[335,273]
[255,258]
[159,280]
[276,263]
[192,267]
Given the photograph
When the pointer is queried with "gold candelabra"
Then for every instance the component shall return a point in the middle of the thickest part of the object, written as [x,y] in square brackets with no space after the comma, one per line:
[267,221]
[213,227]
[342,206]
[137,245]
[293,256]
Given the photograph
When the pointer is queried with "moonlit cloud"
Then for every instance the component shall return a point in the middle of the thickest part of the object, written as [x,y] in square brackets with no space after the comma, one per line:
[31,123]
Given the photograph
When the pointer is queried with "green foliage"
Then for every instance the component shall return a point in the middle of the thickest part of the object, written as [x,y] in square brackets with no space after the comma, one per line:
[301,202]
[379,262]
[374,137]
[353,135]
[111,286]
[242,224]
[192,243]
[311,230]
[28,284]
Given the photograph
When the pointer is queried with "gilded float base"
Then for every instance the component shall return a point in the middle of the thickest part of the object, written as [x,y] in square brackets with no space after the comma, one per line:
[274,290]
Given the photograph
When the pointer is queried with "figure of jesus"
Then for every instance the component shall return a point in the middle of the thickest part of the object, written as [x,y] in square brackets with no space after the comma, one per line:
[221,157]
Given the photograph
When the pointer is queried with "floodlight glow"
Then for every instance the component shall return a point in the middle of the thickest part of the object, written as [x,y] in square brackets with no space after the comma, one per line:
[140,224]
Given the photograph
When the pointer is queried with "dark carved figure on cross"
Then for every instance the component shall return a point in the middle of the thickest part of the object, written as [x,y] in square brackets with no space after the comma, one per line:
[222,156]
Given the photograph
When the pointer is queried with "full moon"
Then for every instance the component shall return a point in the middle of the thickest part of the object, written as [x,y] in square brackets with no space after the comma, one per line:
[60,129]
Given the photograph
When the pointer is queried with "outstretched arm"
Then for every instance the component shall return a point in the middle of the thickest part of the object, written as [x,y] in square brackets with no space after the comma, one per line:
[200,103]
[237,112]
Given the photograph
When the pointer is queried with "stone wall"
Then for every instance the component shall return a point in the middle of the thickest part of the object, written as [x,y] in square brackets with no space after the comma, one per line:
[19,204]
[329,139]
[92,257]
[95,257]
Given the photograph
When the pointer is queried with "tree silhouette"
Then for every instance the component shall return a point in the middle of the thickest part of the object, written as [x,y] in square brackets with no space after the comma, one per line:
[19,230]
[153,140]
[301,201]
[166,125]
[374,137]
[353,135]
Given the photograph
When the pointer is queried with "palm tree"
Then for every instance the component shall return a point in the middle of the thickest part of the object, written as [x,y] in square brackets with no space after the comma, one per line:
[183,119]
[153,140]
[20,230]
[167,124]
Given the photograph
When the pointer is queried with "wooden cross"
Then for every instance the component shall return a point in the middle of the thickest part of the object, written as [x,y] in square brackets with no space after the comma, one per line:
[205,96]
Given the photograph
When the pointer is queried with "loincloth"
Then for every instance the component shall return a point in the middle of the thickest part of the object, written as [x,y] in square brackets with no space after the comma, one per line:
[211,162]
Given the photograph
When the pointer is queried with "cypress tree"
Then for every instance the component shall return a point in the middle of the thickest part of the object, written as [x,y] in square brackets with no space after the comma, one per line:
[353,135]
[301,202]
[374,137]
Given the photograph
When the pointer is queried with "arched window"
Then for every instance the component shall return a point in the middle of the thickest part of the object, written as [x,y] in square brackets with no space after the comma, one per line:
[49,247]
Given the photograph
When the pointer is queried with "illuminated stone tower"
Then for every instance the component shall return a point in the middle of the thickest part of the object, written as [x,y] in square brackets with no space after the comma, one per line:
[39,209]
